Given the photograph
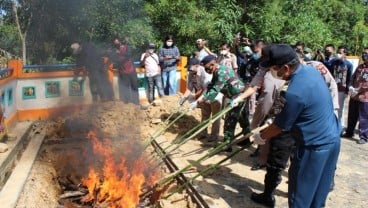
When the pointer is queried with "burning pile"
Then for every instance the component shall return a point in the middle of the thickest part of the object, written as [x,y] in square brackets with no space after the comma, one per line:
[110,167]
[115,185]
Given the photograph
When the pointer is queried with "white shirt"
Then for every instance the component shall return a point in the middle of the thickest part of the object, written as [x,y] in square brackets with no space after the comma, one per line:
[151,64]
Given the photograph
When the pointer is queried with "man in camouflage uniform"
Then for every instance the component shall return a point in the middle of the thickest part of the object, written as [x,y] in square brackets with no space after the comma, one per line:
[225,81]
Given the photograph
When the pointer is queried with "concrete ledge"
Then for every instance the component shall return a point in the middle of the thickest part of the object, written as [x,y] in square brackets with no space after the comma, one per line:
[14,185]
[8,159]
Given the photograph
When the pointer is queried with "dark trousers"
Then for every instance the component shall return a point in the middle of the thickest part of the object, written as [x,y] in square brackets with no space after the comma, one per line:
[363,121]
[311,173]
[237,114]
[152,82]
[280,150]
[128,88]
[353,115]
[100,87]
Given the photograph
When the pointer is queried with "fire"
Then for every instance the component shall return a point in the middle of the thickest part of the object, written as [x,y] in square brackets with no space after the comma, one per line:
[115,185]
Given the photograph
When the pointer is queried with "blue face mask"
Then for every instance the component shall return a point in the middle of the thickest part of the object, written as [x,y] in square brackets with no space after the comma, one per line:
[255,56]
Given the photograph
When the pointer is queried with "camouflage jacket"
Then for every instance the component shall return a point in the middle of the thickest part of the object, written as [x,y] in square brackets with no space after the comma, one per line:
[224,81]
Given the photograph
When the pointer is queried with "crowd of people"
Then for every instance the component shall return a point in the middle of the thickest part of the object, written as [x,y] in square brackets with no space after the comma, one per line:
[160,69]
[301,92]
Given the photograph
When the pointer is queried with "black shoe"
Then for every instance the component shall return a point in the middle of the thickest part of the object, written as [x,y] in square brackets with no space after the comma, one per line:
[255,153]
[229,149]
[261,198]
[346,135]
[257,166]
[362,141]
[245,143]
[202,137]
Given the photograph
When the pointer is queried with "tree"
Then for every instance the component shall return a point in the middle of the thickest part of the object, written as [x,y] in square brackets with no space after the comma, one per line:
[214,20]
[22,24]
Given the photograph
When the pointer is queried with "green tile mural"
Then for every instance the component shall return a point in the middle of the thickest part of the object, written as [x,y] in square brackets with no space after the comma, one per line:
[28,92]
[76,87]
[52,89]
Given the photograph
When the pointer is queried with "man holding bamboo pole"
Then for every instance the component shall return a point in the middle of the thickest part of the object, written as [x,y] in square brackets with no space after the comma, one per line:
[310,118]
[225,81]
[197,82]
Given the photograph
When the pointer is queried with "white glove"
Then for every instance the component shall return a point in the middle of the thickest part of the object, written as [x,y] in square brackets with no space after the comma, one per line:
[257,139]
[193,105]
[235,102]
[182,100]
[191,97]
[353,92]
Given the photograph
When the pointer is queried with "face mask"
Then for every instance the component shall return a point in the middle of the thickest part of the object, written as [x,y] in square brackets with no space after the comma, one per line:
[247,50]
[151,50]
[339,56]
[328,54]
[223,52]
[308,56]
[255,56]
[274,74]
[365,57]
[169,43]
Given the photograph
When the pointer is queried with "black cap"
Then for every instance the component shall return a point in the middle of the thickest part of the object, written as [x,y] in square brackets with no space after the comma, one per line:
[207,59]
[277,54]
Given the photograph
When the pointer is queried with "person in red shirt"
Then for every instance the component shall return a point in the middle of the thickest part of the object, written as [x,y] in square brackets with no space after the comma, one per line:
[128,80]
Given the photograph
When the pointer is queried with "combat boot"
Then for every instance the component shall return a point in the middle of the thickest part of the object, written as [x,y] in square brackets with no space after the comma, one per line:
[262,198]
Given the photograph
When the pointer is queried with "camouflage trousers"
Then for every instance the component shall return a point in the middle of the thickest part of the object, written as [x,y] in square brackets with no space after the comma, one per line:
[239,114]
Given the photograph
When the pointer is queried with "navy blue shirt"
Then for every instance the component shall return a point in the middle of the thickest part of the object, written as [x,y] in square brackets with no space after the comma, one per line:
[342,71]
[308,111]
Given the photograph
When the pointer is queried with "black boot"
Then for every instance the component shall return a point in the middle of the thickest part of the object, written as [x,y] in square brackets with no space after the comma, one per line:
[256,152]
[272,179]
[262,198]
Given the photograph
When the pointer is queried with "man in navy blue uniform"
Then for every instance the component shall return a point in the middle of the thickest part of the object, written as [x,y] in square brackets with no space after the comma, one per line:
[308,115]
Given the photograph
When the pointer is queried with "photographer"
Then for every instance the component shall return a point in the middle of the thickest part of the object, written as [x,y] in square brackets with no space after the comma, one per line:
[326,57]
[242,48]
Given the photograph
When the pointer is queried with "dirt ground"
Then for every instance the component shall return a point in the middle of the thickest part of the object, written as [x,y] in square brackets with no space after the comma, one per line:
[230,185]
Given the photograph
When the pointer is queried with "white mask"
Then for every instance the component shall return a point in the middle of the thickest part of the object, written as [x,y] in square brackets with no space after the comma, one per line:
[339,56]
[151,50]
[223,52]
[274,74]
[308,55]
[169,43]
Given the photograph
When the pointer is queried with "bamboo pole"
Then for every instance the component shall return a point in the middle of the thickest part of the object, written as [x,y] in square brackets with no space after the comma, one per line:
[222,146]
[199,129]
[167,119]
[163,130]
[205,171]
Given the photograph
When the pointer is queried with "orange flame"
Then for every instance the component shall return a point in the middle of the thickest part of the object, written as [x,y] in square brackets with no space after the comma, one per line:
[115,185]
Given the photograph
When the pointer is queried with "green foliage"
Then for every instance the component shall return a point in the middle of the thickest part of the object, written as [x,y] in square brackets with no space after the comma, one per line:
[316,23]
[55,24]
[8,41]
[215,20]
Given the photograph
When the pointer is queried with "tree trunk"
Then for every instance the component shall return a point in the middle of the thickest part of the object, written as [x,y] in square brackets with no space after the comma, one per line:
[21,34]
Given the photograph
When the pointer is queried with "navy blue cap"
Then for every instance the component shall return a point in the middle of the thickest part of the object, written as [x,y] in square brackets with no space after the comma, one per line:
[277,54]
[207,59]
